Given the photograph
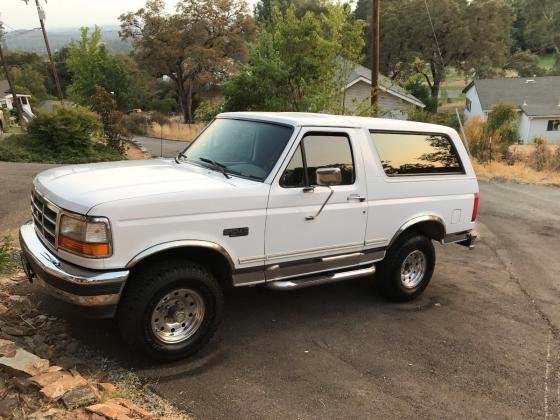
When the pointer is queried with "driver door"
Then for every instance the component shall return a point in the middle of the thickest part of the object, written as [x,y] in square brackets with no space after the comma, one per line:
[297,244]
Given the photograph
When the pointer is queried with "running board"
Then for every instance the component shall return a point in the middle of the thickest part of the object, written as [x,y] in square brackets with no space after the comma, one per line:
[319,279]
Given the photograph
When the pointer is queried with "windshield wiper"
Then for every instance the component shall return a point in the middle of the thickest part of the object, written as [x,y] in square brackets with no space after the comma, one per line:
[217,165]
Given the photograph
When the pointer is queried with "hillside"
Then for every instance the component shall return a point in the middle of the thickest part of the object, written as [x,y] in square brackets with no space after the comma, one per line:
[32,41]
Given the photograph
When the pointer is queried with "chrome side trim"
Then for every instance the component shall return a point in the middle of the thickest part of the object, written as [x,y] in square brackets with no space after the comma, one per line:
[342,257]
[416,220]
[195,243]
[321,279]
[312,251]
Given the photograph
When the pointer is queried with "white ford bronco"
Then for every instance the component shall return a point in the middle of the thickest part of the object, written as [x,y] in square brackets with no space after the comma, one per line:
[286,200]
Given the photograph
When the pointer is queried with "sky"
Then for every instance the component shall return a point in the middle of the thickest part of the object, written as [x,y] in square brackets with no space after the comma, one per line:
[68,13]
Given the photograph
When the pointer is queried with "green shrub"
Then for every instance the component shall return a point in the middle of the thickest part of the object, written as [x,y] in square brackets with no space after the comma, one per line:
[5,254]
[24,148]
[66,130]
[207,111]
[542,156]
[136,123]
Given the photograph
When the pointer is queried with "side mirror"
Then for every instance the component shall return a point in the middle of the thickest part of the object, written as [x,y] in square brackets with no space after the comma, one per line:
[328,176]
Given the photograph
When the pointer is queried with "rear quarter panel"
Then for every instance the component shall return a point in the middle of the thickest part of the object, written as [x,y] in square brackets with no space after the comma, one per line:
[393,201]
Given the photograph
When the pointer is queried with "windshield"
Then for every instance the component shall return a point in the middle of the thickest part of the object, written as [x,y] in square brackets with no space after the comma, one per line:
[246,148]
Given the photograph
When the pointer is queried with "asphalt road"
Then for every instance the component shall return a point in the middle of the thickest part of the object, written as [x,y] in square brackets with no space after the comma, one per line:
[161,148]
[482,342]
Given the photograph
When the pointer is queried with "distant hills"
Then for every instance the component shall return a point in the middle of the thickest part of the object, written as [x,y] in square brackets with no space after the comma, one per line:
[32,41]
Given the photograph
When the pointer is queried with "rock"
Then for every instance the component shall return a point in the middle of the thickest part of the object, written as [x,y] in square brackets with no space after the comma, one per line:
[23,363]
[17,331]
[73,346]
[79,397]
[8,405]
[106,387]
[3,309]
[7,348]
[49,414]
[110,410]
[23,385]
[46,378]
[61,386]
[18,299]
[132,407]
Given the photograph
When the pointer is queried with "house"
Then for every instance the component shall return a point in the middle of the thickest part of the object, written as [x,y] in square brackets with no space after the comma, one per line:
[6,100]
[393,99]
[537,100]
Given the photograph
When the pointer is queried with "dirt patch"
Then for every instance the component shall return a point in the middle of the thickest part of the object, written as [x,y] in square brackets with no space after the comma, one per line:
[519,173]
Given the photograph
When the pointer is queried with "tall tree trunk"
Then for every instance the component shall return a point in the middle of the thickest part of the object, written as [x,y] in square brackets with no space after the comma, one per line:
[438,73]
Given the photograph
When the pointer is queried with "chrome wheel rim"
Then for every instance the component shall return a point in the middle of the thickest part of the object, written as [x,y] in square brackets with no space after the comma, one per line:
[413,269]
[177,316]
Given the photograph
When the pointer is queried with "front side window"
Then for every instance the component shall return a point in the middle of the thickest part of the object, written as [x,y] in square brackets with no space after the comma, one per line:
[416,154]
[319,150]
[553,125]
[248,149]
[468,104]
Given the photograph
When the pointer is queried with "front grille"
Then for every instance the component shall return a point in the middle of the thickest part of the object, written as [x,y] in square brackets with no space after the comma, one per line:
[45,216]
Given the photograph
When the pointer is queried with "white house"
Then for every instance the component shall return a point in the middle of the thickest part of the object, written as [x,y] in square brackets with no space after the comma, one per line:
[537,101]
[393,99]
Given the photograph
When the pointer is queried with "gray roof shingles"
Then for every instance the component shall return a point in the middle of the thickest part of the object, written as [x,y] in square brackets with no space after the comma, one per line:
[537,96]
[361,71]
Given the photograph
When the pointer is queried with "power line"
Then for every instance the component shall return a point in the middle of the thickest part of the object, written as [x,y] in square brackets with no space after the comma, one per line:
[434,32]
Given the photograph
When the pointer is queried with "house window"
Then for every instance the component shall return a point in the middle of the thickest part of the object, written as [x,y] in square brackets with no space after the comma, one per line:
[468,104]
[553,125]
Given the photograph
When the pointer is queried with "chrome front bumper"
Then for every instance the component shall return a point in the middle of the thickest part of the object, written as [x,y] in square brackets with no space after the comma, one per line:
[67,282]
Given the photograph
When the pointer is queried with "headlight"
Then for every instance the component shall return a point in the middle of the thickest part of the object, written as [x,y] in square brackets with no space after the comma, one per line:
[89,237]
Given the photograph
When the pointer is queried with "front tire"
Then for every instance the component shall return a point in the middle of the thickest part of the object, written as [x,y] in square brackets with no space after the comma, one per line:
[170,311]
[408,267]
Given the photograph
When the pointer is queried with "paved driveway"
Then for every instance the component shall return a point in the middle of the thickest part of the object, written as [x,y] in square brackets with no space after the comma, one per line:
[482,342]
[161,148]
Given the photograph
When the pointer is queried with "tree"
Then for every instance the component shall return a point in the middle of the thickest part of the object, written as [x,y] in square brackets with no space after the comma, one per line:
[525,64]
[465,31]
[195,47]
[263,9]
[538,24]
[104,104]
[297,64]
[90,65]
[30,79]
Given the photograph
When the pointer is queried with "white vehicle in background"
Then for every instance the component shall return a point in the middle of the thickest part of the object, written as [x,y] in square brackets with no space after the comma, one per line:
[284,200]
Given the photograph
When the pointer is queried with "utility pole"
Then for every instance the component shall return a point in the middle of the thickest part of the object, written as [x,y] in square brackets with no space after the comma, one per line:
[41,14]
[375,57]
[16,101]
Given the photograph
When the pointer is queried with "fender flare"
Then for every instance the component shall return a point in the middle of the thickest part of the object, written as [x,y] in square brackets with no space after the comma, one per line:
[415,221]
[187,243]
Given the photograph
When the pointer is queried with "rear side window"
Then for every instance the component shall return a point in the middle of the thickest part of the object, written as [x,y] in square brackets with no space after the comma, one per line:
[417,154]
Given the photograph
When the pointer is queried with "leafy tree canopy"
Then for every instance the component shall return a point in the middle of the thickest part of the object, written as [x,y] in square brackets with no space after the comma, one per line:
[298,63]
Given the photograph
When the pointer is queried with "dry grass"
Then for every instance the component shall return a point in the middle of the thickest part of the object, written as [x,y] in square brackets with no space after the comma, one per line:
[175,131]
[519,173]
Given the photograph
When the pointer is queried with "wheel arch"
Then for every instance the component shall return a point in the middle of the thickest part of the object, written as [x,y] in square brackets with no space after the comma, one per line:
[430,225]
[209,254]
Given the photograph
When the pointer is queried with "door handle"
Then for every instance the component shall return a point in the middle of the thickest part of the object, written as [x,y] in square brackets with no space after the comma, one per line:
[356,197]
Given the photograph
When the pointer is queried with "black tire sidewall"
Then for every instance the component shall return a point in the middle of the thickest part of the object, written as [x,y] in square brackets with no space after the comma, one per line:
[139,302]
[391,267]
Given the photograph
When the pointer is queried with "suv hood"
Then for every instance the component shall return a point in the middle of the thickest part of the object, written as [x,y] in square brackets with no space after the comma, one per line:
[78,188]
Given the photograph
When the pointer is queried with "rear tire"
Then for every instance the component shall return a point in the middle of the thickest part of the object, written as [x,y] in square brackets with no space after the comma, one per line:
[407,268]
[170,311]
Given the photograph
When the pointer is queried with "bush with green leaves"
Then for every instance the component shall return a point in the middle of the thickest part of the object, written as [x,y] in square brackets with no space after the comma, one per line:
[5,253]
[207,111]
[66,130]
